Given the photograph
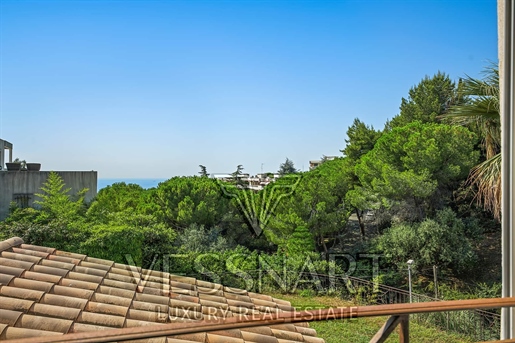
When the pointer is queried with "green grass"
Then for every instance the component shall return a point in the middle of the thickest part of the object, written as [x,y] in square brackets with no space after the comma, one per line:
[361,330]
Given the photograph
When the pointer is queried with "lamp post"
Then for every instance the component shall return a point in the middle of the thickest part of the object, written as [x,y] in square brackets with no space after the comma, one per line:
[410,262]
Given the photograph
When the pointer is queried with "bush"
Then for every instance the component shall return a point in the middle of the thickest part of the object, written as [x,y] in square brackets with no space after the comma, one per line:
[441,241]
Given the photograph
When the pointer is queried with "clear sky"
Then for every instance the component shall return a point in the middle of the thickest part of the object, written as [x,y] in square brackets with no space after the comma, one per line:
[137,89]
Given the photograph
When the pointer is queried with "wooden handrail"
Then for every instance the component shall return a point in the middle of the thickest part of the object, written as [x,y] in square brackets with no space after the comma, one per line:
[244,321]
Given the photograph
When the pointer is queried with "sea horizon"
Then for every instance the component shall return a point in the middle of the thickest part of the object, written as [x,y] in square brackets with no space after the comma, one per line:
[143,182]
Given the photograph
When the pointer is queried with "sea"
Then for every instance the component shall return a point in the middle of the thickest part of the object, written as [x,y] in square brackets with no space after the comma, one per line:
[144,183]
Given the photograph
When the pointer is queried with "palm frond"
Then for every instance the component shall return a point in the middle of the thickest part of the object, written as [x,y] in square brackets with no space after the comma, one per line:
[480,111]
[486,177]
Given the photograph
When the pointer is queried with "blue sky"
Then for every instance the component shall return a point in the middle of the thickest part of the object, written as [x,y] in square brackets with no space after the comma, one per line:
[152,89]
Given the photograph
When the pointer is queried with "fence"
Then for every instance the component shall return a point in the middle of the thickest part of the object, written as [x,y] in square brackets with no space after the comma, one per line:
[479,325]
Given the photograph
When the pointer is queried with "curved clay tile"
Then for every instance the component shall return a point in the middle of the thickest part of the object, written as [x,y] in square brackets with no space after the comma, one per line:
[90,271]
[42,254]
[57,264]
[63,301]
[9,243]
[9,317]
[41,277]
[21,257]
[54,311]
[64,259]
[14,304]
[5,279]
[31,247]
[7,262]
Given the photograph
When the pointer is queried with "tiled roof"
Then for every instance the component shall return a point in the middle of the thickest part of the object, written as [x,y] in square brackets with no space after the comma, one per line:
[44,291]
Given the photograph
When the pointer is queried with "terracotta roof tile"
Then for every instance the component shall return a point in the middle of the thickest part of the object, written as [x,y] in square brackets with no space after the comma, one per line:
[111,299]
[7,262]
[101,319]
[43,254]
[256,337]
[31,284]
[20,293]
[63,300]
[44,291]
[7,303]
[54,311]
[21,257]
[69,254]
[11,332]
[7,273]
[34,248]
[9,317]
[64,259]
[9,243]
[50,262]
[50,270]
[44,323]
[72,292]
[41,277]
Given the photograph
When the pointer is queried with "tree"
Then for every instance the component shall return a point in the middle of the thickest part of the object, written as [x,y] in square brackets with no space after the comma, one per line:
[237,176]
[287,167]
[203,171]
[419,163]
[56,203]
[441,241]
[182,201]
[116,198]
[301,242]
[480,112]
[360,139]
[428,100]
[316,204]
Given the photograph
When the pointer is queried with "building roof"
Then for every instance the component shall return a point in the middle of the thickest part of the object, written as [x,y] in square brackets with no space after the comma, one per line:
[44,291]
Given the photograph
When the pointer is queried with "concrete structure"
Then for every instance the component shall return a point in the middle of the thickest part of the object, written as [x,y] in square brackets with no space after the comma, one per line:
[506,43]
[21,186]
[5,145]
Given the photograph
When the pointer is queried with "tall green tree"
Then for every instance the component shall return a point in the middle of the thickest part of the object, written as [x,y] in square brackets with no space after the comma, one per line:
[428,100]
[182,201]
[116,198]
[237,176]
[203,171]
[419,163]
[360,140]
[287,167]
[56,203]
[316,204]
[480,112]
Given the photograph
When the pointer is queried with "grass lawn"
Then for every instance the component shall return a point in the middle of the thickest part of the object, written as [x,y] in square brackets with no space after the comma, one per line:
[361,330]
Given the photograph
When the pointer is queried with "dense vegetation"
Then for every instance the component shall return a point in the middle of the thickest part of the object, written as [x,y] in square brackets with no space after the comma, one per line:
[409,188]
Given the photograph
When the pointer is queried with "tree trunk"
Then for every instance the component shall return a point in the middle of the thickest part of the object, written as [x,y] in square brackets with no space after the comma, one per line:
[361,225]
[322,240]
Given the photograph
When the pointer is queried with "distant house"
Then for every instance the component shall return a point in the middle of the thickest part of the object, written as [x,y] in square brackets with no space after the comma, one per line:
[257,182]
[315,163]
[21,186]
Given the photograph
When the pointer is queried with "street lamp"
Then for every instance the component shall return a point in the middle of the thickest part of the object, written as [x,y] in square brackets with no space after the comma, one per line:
[410,262]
